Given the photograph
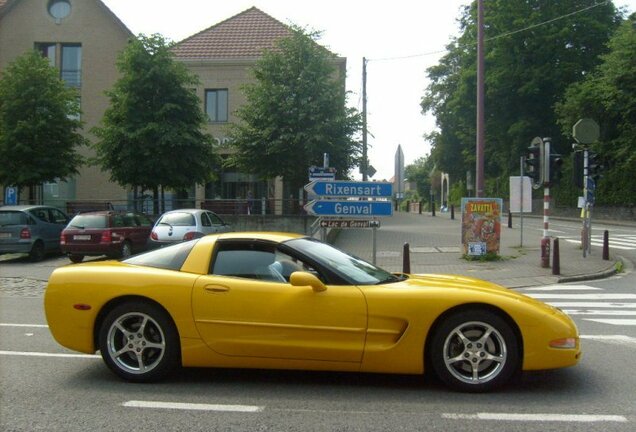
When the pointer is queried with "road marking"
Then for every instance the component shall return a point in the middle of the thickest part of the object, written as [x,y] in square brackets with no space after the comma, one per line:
[600,312]
[23,325]
[585,296]
[581,418]
[43,354]
[624,322]
[592,305]
[564,288]
[193,406]
[619,339]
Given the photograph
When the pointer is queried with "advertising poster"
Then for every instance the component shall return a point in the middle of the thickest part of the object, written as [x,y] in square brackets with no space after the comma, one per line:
[481,225]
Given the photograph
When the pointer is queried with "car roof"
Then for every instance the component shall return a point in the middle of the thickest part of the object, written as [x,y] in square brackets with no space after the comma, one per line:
[258,235]
[26,207]
[106,212]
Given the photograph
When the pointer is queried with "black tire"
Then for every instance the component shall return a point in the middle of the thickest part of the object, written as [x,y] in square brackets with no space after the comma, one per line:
[37,252]
[76,258]
[474,351]
[126,249]
[139,342]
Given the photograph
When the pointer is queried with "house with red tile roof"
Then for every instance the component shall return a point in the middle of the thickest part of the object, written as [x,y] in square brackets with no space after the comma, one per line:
[221,56]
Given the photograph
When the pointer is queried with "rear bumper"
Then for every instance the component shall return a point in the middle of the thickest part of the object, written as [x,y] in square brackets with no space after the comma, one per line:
[16,247]
[92,250]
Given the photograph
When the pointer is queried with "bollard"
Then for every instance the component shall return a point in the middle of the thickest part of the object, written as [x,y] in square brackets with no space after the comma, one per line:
[509,219]
[433,208]
[556,261]
[452,211]
[406,258]
[606,245]
[421,205]
[545,252]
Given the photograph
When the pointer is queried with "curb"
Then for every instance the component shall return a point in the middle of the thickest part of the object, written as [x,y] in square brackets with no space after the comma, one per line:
[594,276]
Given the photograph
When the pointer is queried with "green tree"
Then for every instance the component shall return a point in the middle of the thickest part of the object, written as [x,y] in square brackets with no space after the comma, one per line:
[39,124]
[420,173]
[151,134]
[295,111]
[609,96]
[534,50]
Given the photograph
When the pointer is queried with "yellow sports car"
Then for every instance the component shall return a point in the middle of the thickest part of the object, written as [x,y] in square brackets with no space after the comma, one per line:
[286,301]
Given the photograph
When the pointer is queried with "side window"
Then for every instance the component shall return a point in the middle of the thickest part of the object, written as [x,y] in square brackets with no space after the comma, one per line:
[40,214]
[143,220]
[118,221]
[215,219]
[130,220]
[205,221]
[57,216]
[246,260]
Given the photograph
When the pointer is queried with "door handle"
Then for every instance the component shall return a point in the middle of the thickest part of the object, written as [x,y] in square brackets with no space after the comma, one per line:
[216,289]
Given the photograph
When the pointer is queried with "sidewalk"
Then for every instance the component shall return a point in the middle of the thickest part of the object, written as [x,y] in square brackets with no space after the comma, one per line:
[435,247]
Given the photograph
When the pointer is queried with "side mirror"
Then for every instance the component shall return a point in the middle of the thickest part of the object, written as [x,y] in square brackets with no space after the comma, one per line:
[300,278]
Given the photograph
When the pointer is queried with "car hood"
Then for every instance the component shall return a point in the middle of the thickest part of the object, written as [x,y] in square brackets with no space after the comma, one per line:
[462,283]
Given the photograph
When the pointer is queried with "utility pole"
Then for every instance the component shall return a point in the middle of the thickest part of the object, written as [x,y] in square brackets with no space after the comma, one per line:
[481,134]
[364,167]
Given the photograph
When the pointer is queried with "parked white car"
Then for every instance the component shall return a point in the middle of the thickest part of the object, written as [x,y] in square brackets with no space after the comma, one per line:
[185,224]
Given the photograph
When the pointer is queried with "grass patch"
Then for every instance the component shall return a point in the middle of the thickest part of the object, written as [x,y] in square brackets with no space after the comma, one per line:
[488,257]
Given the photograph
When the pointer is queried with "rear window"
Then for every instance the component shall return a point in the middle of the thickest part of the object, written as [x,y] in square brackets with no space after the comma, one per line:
[88,221]
[169,258]
[178,219]
[8,218]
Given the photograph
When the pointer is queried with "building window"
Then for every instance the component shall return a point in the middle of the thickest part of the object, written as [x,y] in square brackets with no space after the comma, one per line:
[216,105]
[59,9]
[71,67]
[47,50]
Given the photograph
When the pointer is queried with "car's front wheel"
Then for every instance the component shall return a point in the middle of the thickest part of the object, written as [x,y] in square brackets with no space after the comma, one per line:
[475,351]
[139,342]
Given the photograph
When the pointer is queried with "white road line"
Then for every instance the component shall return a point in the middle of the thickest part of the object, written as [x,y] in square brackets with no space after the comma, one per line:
[563,288]
[193,406]
[23,325]
[43,354]
[617,339]
[612,245]
[621,322]
[585,296]
[580,418]
[592,305]
[599,312]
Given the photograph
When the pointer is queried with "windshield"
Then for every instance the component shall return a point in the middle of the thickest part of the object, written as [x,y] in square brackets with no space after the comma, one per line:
[353,269]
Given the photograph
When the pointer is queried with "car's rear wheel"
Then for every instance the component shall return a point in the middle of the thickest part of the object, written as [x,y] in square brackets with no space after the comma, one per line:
[37,252]
[126,249]
[475,351]
[76,258]
[139,342]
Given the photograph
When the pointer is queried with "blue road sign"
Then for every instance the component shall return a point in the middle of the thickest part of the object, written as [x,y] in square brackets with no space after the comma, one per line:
[11,195]
[341,189]
[321,173]
[349,208]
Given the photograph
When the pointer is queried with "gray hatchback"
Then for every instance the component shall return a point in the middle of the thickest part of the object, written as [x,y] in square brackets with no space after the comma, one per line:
[31,229]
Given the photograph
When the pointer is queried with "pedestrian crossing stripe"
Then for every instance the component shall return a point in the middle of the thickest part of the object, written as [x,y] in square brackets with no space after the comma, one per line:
[618,241]
[617,309]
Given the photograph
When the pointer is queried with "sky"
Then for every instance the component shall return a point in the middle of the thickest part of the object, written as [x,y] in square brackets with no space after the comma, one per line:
[400,39]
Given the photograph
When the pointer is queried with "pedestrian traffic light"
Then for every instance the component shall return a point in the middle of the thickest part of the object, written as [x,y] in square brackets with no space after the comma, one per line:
[594,166]
[534,164]
[556,166]
[578,160]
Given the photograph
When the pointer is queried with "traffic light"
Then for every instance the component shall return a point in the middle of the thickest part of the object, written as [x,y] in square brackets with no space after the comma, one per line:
[594,166]
[578,160]
[533,164]
[556,166]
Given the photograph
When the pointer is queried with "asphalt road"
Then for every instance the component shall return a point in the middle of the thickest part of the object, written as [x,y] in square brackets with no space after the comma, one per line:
[45,387]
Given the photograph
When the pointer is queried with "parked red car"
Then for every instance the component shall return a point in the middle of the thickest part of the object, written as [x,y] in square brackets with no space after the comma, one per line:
[112,233]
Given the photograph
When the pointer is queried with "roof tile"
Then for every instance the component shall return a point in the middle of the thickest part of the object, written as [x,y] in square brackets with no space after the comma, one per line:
[244,35]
